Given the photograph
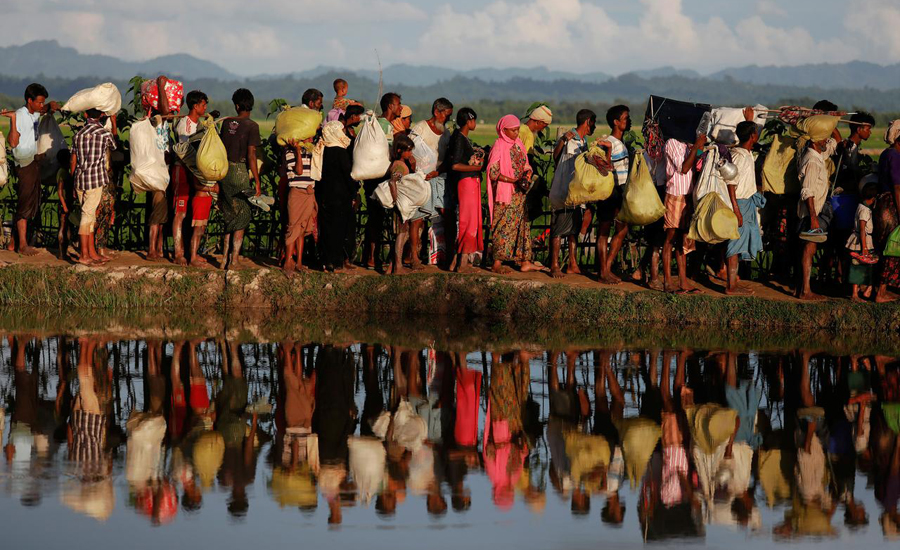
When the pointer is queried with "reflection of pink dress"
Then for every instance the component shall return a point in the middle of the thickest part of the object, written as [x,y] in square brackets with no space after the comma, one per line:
[468,394]
[503,465]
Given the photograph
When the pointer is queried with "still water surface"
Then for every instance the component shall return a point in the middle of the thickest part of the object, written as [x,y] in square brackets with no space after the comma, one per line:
[221,444]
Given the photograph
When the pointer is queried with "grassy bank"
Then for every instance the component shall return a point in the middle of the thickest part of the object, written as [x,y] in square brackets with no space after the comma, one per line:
[264,304]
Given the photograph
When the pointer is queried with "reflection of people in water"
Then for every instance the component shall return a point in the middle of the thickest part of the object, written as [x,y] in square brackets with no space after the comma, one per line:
[334,420]
[239,462]
[608,414]
[296,448]
[885,444]
[667,507]
[505,448]
[568,407]
[91,491]
[811,507]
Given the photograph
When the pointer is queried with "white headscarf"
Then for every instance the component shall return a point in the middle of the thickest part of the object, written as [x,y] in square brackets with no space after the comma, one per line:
[542,114]
[892,133]
[333,135]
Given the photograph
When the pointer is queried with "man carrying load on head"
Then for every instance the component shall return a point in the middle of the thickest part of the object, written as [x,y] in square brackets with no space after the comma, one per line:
[537,120]
[814,209]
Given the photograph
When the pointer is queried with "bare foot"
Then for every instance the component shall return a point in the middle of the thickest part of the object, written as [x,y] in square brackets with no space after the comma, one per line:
[465,269]
[500,269]
[811,297]
[416,266]
[609,279]
[399,270]
[28,251]
[11,246]
[556,273]
[180,260]
[199,261]
[289,267]
[572,269]
[637,276]
[655,284]
[739,290]
[86,261]
[347,265]
[527,267]
[854,297]
[886,297]
[152,257]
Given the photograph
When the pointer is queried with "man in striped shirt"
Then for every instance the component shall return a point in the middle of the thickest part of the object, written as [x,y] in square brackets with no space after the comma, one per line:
[301,205]
[88,162]
[619,120]
[680,159]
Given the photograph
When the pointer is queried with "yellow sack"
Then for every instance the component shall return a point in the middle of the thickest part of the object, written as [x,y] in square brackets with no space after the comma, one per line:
[638,436]
[588,184]
[297,124]
[711,425]
[714,221]
[212,158]
[779,174]
[818,127]
[640,201]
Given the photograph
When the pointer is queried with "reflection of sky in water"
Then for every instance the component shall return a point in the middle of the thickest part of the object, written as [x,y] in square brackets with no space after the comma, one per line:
[32,493]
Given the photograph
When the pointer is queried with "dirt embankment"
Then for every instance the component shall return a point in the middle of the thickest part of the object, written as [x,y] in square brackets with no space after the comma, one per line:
[575,306]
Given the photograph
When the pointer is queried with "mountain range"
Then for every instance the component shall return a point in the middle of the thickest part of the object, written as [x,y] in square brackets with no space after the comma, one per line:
[49,58]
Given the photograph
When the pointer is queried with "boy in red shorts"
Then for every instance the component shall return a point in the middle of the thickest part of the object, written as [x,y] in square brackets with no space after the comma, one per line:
[182,179]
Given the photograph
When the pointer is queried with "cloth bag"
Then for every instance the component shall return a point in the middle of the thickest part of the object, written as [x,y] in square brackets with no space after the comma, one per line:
[779,173]
[892,246]
[297,124]
[818,127]
[588,184]
[724,122]
[50,142]
[640,201]
[212,157]
[371,157]
[713,221]
[148,162]
[150,95]
[103,97]
[412,193]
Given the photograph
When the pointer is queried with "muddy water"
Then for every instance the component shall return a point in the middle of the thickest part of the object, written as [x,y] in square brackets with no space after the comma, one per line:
[235,444]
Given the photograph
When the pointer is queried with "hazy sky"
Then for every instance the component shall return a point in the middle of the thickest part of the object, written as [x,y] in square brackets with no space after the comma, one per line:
[277,36]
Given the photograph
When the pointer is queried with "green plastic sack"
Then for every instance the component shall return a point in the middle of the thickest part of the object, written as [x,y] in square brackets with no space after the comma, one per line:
[640,201]
[818,127]
[892,247]
[212,157]
[779,174]
[297,124]
[713,221]
[588,184]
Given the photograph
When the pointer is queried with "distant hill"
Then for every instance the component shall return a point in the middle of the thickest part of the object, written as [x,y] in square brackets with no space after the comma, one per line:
[855,74]
[426,75]
[49,58]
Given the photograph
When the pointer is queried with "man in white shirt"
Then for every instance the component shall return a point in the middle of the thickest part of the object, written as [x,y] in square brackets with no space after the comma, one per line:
[814,210]
[23,134]
[741,190]
[567,220]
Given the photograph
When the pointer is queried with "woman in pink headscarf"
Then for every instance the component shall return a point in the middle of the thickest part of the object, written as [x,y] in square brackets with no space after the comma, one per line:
[509,178]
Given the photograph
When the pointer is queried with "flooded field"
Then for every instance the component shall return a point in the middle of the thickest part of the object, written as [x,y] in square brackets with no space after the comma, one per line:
[236,443]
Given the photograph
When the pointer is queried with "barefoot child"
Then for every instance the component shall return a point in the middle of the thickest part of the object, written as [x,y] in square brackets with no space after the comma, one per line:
[65,190]
[859,245]
[182,180]
[301,205]
[401,153]
[88,163]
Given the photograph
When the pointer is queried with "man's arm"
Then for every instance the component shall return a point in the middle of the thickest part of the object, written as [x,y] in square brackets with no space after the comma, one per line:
[688,163]
[161,91]
[254,169]
[13,137]
[561,144]
[732,194]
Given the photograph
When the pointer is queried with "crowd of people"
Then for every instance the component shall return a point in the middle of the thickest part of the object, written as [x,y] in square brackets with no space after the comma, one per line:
[481,208]
[702,438]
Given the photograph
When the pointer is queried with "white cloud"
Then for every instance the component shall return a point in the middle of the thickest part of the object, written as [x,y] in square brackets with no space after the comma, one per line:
[580,35]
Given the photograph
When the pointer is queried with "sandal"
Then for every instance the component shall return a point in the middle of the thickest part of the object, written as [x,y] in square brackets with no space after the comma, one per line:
[814,235]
